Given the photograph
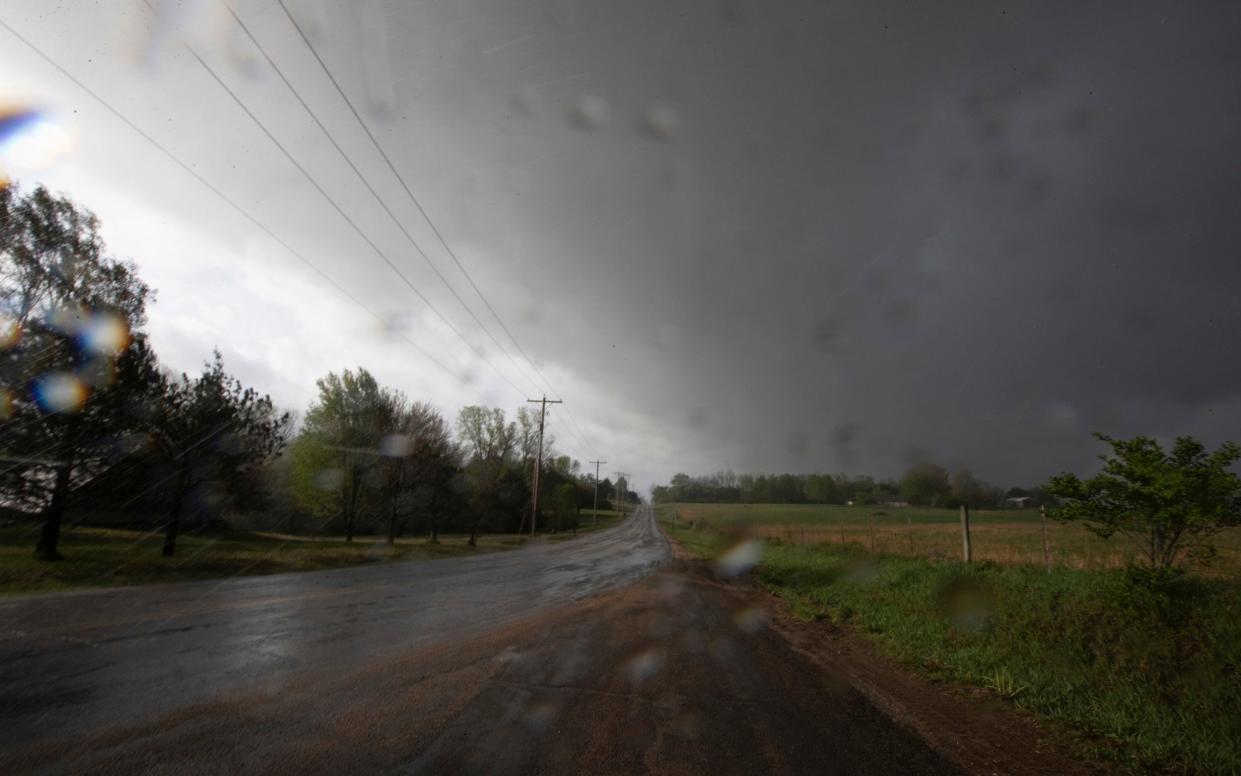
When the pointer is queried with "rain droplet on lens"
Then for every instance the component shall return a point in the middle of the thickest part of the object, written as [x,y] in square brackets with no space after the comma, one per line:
[10,333]
[329,479]
[61,392]
[396,445]
[659,122]
[645,664]
[826,333]
[590,112]
[740,559]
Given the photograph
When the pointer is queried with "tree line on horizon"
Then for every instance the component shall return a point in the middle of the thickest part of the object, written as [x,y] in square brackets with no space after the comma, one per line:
[94,430]
[923,484]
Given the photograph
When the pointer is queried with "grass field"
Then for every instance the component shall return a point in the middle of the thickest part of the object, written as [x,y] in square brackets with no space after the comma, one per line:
[1005,536]
[107,557]
[1148,674]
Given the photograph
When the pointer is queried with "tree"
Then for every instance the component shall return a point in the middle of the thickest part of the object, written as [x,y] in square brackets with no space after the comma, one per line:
[495,461]
[347,423]
[76,374]
[212,426]
[435,464]
[1160,499]
[925,484]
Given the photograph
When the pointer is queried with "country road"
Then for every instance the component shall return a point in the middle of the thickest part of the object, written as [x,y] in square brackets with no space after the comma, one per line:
[601,655]
[75,662]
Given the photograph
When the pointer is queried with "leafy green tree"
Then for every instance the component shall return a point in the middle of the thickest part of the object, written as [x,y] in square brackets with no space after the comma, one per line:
[76,375]
[347,423]
[212,427]
[1162,500]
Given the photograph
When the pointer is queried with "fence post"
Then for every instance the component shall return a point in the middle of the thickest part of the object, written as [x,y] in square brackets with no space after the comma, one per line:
[965,532]
[909,519]
[842,533]
[1042,517]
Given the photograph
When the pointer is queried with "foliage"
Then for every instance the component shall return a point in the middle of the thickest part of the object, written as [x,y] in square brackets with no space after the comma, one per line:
[75,370]
[1159,691]
[212,427]
[1163,500]
[925,484]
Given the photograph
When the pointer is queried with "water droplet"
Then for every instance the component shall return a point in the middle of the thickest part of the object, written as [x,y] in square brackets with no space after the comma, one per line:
[541,716]
[61,392]
[751,619]
[10,333]
[590,112]
[104,334]
[396,445]
[645,664]
[659,122]
[740,559]
[329,479]
[30,140]
[7,404]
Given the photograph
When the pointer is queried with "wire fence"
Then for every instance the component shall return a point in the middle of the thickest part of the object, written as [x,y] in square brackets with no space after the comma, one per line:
[1000,536]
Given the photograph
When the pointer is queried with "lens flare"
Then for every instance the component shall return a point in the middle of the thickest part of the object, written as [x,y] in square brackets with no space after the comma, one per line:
[61,392]
[105,334]
[10,333]
[29,140]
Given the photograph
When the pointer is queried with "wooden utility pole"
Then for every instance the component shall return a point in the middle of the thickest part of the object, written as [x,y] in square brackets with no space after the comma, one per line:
[622,476]
[965,532]
[594,511]
[538,459]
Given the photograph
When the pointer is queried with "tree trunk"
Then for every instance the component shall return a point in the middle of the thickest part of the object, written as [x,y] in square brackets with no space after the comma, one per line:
[49,537]
[174,515]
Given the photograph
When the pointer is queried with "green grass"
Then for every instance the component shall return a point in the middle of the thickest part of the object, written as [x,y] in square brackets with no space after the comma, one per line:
[106,557]
[1148,673]
[1004,536]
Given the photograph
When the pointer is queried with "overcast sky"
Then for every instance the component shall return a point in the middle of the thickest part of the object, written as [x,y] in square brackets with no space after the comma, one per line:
[806,236]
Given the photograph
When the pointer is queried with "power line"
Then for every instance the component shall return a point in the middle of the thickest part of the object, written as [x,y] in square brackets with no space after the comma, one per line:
[384,205]
[414,199]
[214,190]
[365,237]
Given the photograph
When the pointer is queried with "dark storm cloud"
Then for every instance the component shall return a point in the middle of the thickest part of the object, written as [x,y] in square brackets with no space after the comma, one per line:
[799,235]
[972,233]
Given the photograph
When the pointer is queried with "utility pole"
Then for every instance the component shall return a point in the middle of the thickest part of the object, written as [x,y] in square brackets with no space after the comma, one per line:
[622,476]
[594,512]
[538,459]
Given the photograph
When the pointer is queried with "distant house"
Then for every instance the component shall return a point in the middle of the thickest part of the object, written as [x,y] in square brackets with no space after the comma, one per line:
[1017,501]
[893,502]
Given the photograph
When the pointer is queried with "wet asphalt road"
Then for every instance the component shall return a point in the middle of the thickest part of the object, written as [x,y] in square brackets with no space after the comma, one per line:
[80,662]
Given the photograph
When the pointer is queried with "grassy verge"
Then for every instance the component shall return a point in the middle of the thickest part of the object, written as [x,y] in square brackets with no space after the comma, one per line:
[105,557]
[608,518]
[1149,672]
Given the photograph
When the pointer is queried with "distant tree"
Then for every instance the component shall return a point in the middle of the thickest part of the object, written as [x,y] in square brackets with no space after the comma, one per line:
[1163,500]
[563,504]
[346,427]
[925,484]
[435,466]
[495,464]
[968,489]
[212,427]
[76,375]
